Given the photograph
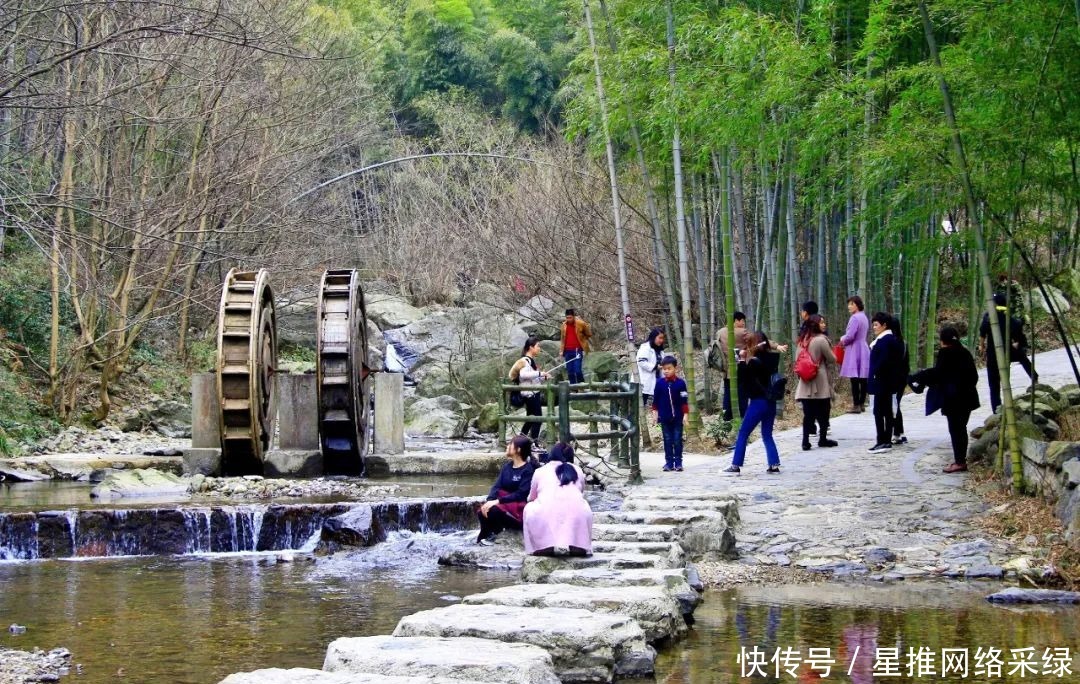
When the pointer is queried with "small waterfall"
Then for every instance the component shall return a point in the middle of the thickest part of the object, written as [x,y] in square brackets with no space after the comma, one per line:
[214,529]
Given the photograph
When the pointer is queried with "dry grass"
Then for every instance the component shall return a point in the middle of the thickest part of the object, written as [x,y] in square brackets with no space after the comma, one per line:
[1015,518]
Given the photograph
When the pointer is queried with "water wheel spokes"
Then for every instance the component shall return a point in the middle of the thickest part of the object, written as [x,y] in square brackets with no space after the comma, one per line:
[246,363]
[343,379]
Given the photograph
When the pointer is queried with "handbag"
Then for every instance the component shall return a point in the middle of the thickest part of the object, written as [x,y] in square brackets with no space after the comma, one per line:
[838,352]
[805,367]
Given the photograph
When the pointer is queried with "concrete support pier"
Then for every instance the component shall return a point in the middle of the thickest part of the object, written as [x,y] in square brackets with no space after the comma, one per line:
[389,413]
[298,452]
[204,456]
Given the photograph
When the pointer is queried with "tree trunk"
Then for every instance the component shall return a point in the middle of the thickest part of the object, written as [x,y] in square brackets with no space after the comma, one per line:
[960,160]
[694,422]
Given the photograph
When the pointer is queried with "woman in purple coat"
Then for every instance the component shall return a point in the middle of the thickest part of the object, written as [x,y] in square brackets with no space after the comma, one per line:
[856,352]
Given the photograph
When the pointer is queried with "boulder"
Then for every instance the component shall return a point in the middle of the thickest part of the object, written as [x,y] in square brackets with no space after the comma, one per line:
[170,419]
[703,534]
[1068,511]
[1068,281]
[584,646]
[487,420]
[655,610]
[601,365]
[142,482]
[435,417]
[453,658]
[540,318]
[295,312]
[1018,595]
[301,675]
[12,471]
[1058,453]
[391,311]
[351,528]
[505,554]
[1035,298]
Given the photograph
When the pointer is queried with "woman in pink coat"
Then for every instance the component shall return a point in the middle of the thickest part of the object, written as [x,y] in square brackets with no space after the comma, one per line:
[558,520]
[856,352]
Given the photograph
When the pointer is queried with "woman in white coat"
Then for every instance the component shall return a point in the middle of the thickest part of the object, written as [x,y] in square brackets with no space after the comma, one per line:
[648,363]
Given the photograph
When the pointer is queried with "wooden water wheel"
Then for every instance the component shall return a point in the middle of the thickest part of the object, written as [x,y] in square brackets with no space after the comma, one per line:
[246,363]
[343,374]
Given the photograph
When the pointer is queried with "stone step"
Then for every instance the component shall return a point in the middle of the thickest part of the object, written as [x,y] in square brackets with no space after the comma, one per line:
[660,548]
[479,660]
[584,646]
[673,580]
[633,532]
[657,611]
[682,494]
[301,675]
[704,535]
[536,568]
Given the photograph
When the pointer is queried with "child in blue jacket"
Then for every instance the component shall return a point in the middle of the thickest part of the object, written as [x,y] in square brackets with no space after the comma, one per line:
[671,403]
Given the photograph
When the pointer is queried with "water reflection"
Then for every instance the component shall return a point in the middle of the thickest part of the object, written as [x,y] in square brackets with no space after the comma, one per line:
[190,620]
[853,629]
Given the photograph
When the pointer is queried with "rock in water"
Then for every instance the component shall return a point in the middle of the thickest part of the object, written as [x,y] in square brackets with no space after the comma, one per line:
[141,482]
[1017,595]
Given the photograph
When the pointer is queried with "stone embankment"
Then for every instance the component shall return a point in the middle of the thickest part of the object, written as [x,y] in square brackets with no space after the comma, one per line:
[593,619]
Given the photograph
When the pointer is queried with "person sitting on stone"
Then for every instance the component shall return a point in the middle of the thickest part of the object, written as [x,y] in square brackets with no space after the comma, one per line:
[506,500]
[558,520]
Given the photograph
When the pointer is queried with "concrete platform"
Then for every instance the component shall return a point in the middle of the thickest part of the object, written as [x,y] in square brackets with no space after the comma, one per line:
[479,660]
[584,646]
[435,463]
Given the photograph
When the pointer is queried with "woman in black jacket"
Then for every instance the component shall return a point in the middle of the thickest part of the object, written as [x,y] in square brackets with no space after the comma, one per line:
[757,364]
[887,377]
[952,383]
[506,500]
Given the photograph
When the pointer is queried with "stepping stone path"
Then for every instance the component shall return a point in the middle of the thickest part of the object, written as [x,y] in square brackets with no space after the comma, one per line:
[576,619]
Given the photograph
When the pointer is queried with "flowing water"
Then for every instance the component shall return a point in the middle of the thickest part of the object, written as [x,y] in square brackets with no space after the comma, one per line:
[193,620]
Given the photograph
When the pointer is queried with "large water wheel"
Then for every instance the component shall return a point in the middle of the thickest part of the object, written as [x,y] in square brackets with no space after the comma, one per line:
[246,363]
[343,374]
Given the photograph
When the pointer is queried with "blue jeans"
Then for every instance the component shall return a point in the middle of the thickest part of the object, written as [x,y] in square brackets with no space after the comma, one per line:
[573,368]
[672,442]
[759,411]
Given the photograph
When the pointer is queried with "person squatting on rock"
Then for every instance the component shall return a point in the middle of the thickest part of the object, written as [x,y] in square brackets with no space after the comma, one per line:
[1017,350]
[886,363]
[856,363]
[649,355]
[558,520]
[816,393]
[526,372]
[952,388]
[506,500]
[671,401]
[757,364]
[905,368]
[574,334]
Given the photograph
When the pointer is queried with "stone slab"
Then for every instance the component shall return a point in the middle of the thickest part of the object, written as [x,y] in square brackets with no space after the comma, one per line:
[205,412]
[633,533]
[536,568]
[79,466]
[202,461]
[674,581]
[654,608]
[729,507]
[11,473]
[660,548]
[1018,595]
[584,646]
[298,412]
[481,660]
[389,413]
[142,482]
[429,463]
[300,675]
[656,517]
[293,463]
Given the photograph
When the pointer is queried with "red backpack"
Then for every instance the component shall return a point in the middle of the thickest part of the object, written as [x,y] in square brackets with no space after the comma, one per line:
[805,367]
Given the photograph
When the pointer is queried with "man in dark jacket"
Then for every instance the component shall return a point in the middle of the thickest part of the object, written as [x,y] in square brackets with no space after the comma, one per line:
[887,376]
[1017,350]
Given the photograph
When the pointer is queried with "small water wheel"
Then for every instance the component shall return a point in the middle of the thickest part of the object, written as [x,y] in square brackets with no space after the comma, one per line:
[246,363]
[343,374]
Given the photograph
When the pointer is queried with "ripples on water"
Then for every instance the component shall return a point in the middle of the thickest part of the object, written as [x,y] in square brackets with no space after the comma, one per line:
[195,619]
